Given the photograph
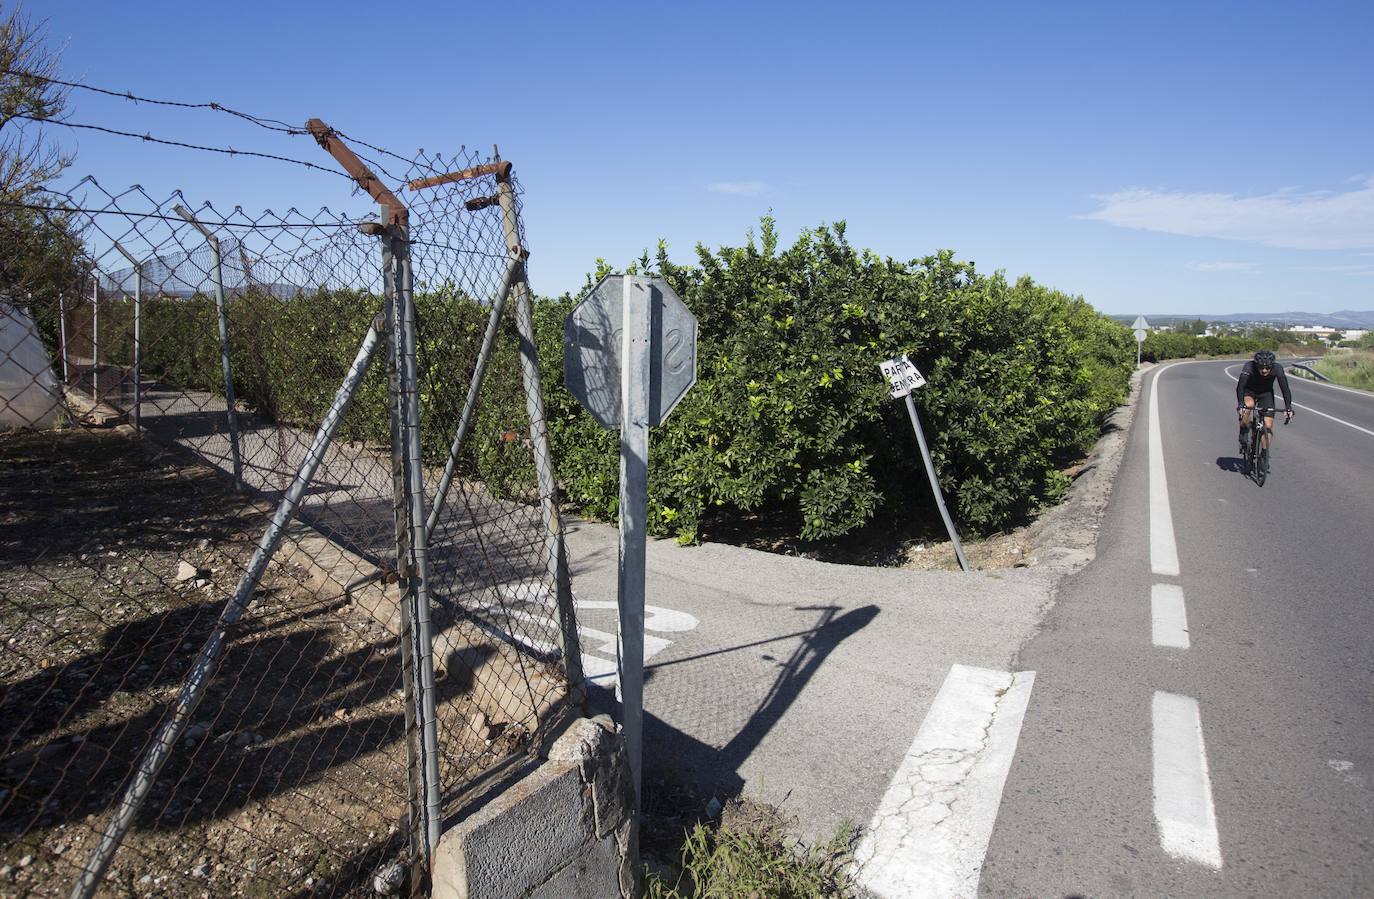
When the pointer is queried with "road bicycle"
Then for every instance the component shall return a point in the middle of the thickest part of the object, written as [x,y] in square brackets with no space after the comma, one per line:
[1254,454]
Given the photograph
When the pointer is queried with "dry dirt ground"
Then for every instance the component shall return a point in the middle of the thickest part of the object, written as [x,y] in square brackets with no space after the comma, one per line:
[116,557]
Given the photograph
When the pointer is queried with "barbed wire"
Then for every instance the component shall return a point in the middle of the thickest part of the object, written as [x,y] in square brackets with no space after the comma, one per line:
[247,226]
[261,121]
[228,151]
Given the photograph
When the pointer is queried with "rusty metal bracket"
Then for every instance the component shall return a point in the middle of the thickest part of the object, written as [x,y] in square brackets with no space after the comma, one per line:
[396,212]
[500,169]
[478,203]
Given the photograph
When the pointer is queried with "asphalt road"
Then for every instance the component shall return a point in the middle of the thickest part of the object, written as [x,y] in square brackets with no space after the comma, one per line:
[1278,668]
[796,682]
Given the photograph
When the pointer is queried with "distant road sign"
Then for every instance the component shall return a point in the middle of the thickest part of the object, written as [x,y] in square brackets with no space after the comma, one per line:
[1140,335]
[592,344]
[1140,324]
[901,373]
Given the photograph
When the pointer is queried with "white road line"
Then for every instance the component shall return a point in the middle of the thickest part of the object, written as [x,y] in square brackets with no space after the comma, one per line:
[1318,412]
[1183,791]
[1169,616]
[1163,550]
[1364,393]
[1335,419]
[931,830]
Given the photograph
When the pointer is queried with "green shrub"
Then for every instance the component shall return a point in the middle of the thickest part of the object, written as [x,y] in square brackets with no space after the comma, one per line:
[789,414]
[790,411]
[1161,345]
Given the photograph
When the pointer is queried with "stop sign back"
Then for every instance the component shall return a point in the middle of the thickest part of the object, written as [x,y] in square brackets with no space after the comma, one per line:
[592,342]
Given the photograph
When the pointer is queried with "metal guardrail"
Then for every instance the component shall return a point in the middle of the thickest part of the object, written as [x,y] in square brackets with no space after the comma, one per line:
[1307,368]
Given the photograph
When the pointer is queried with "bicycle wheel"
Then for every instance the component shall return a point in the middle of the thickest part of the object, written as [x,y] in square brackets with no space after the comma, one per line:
[1262,466]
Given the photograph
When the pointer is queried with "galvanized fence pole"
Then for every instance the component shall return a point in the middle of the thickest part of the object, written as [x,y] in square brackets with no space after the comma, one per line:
[138,334]
[935,483]
[62,337]
[417,584]
[95,336]
[231,412]
[138,349]
[636,319]
[415,831]
[555,550]
[470,404]
[203,669]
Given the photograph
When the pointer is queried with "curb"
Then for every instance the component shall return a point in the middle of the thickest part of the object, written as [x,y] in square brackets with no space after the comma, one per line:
[1064,539]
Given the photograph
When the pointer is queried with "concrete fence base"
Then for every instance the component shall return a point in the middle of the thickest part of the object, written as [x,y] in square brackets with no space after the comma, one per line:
[564,831]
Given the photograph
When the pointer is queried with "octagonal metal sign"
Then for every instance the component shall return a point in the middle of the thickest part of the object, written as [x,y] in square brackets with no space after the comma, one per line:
[592,349]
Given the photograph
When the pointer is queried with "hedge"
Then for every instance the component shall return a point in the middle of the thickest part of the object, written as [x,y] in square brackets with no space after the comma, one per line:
[789,412]
[1161,345]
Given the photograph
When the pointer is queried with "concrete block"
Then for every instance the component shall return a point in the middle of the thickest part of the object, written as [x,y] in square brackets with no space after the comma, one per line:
[509,847]
[593,875]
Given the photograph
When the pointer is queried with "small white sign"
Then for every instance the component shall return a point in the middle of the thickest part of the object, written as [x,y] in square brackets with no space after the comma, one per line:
[902,375]
[1140,323]
[1139,335]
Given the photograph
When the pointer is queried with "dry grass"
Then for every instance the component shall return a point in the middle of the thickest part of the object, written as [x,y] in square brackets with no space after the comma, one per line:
[1352,368]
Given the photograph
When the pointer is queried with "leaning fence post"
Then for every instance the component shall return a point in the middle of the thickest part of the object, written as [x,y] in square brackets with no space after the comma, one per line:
[230,411]
[203,669]
[470,404]
[138,333]
[539,431]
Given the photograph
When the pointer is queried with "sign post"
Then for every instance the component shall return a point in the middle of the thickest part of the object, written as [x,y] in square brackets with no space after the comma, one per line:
[1142,328]
[904,378]
[629,356]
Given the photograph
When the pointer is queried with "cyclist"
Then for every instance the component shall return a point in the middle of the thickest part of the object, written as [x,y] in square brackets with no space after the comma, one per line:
[1255,387]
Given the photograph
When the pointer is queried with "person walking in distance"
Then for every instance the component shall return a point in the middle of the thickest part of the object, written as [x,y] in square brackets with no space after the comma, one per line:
[1255,387]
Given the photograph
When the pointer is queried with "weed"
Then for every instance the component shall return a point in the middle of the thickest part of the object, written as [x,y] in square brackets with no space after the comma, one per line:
[752,854]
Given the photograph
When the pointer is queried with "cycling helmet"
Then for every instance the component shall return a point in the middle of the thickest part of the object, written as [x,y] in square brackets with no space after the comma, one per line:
[1264,359]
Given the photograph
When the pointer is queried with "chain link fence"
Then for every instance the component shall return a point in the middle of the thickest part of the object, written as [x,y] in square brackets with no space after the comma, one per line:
[282,579]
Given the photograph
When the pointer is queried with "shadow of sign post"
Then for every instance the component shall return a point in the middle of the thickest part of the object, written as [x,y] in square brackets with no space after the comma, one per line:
[629,356]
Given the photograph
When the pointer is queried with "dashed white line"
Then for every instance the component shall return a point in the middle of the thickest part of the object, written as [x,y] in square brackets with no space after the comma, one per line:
[1163,550]
[1184,811]
[1168,616]
[922,842]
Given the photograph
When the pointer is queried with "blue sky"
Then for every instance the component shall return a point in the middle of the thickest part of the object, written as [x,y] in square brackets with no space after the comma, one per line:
[1161,157]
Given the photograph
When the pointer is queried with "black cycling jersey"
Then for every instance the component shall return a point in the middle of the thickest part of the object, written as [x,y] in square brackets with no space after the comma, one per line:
[1252,381]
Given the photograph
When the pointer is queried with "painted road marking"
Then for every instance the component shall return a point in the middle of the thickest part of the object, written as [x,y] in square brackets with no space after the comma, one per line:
[1163,550]
[931,830]
[598,669]
[1169,616]
[1335,419]
[1183,791]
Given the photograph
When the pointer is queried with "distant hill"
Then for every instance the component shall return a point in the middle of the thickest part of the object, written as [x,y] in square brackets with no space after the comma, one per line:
[1343,319]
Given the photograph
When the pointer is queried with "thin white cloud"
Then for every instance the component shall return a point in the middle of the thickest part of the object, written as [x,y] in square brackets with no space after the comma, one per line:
[738,188]
[1219,266]
[1323,220]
